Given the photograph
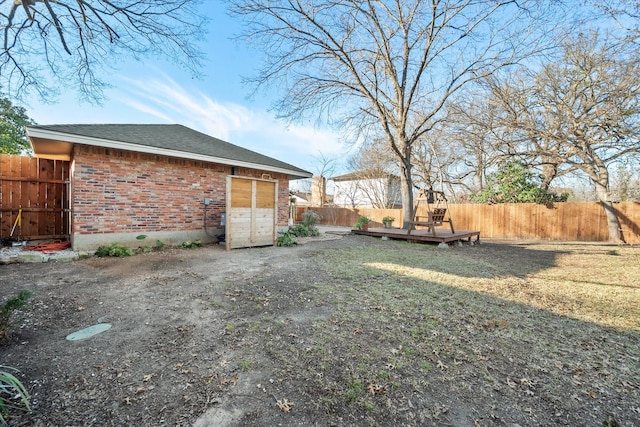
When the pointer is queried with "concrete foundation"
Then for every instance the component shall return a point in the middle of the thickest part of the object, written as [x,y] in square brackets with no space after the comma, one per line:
[91,242]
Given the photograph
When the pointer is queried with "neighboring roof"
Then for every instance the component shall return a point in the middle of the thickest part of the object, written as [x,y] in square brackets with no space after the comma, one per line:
[365,174]
[55,141]
[300,195]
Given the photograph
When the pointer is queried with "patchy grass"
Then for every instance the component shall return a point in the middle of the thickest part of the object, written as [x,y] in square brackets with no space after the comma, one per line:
[427,336]
[344,332]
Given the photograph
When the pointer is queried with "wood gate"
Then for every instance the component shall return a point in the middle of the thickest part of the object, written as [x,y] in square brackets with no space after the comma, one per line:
[251,212]
[34,201]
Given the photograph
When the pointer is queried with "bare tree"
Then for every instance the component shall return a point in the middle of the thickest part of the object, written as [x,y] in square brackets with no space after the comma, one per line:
[625,14]
[375,179]
[73,40]
[385,66]
[581,113]
[323,165]
[477,135]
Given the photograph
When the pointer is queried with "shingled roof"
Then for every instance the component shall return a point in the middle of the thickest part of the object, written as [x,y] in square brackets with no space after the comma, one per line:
[365,174]
[172,140]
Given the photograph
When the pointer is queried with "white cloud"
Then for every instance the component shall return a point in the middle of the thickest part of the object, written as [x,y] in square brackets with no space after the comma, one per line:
[170,102]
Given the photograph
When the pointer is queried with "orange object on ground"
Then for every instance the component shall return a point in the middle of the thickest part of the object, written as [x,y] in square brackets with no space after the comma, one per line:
[48,247]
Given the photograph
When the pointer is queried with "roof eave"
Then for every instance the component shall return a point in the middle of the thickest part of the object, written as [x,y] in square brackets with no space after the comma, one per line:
[45,134]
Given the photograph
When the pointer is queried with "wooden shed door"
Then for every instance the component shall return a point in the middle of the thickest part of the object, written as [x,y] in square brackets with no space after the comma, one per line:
[251,212]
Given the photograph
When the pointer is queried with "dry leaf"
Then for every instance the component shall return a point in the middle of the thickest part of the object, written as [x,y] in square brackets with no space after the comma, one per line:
[441,365]
[511,383]
[148,377]
[526,382]
[284,405]
[229,381]
[377,389]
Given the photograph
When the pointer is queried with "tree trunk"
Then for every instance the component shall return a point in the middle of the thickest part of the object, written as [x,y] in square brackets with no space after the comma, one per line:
[406,190]
[613,222]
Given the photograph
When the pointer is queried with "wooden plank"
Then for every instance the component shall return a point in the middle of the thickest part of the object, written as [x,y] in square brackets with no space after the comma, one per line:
[45,170]
[30,179]
[251,212]
[5,204]
[442,236]
[265,194]
[15,195]
[241,193]
[38,187]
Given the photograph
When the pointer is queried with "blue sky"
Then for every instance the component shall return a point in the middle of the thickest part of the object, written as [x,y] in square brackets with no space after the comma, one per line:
[157,91]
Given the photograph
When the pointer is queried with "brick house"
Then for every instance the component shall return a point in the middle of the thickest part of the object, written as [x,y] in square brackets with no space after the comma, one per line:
[157,182]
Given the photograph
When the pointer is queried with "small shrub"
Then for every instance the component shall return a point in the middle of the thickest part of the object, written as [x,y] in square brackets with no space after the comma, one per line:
[310,219]
[286,238]
[192,244]
[313,231]
[302,230]
[306,229]
[16,303]
[362,220]
[114,250]
[13,395]
[159,244]
[9,307]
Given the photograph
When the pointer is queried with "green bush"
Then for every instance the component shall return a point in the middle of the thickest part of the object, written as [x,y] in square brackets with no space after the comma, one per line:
[516,182]
[286,238]
[114,250]
[306,229]
[13,395]
[301,230]
[362,220]
[192,244]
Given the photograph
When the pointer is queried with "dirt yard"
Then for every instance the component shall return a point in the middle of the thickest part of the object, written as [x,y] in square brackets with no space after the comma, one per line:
[339,331]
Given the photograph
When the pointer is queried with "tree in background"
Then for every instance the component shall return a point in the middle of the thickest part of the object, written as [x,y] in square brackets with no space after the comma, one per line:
[386,68]
[74,40]
[13,137]
[579,114]
[625,182]
[514,182]
[625,14]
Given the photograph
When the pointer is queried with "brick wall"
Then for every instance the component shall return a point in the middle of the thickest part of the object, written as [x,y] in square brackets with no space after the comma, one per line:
[118,191]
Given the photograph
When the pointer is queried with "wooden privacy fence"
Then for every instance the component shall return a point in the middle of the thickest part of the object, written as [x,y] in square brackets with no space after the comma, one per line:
[580,221]
[37,190]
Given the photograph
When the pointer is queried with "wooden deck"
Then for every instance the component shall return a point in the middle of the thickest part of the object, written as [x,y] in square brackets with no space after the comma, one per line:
[441,235]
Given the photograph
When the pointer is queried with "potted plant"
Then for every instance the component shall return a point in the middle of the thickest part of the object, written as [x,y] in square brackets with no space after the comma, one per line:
[362,223]
[387,221]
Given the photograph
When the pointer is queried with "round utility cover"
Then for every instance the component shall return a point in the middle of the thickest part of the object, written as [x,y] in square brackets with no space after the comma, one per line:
[88,332]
